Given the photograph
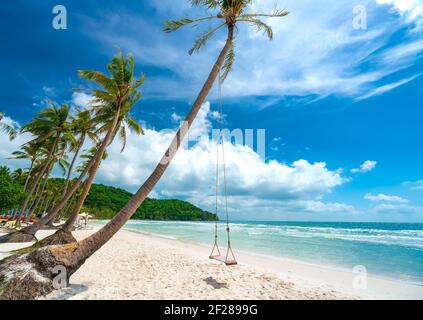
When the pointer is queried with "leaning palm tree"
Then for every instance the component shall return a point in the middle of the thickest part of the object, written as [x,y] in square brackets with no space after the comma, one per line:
[10,130]
[72,256]
[64,234]
[49,127]
[82,126]
[110,105]
[59,159]
[29,152]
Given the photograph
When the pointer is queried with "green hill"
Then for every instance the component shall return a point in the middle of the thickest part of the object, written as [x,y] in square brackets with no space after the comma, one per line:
[104,202]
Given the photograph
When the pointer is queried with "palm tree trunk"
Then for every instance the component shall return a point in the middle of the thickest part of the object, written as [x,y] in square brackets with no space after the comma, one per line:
[85,248]
[47,204]
[43,171]
[41,206]
[38,199]
[92,173]
[28,233]
[32,230]
[29,174]
[80,143]
[94,162]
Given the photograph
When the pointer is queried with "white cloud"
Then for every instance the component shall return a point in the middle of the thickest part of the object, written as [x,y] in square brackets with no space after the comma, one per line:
[367,166]
[251,181]
[81,99]
[411,9]
[385,198]
[386,88]
[49,91]
[257,189]
[318,206]
[403,54]
[396,209]
[9,121]
[176,118]
[415,185]
[323,56]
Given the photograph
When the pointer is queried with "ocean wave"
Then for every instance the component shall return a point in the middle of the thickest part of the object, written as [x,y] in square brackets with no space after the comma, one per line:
[271,232]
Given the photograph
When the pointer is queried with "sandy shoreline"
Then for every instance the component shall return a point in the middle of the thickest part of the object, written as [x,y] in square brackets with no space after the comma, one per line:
[138,266]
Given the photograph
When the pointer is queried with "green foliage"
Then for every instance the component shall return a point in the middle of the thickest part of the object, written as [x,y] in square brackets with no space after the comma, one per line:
[104,202]
[11,191]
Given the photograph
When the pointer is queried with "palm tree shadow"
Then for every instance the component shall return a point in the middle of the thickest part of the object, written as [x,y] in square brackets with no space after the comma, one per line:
[216,284]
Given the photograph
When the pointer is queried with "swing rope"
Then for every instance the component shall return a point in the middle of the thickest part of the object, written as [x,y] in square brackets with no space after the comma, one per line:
[222,142]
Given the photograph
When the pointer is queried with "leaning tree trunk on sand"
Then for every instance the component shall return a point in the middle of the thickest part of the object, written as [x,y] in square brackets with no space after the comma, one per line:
[64,235]
[37,180]
[39,281]
[27,234]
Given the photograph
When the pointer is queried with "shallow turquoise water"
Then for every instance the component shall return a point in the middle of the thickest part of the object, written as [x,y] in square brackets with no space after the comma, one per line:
[385,249]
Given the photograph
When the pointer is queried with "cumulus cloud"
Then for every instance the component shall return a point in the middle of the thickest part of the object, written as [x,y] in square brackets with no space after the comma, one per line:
[385,198]
[411,9]
[252,182]
[81,99]
[367,166]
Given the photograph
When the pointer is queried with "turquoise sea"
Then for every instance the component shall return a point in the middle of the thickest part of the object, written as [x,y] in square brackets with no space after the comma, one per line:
[391,250]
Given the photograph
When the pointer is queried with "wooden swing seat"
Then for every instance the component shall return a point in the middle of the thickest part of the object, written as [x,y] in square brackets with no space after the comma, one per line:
[229,262]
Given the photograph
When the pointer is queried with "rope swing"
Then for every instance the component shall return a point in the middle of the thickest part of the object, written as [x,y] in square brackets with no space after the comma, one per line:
[229,258]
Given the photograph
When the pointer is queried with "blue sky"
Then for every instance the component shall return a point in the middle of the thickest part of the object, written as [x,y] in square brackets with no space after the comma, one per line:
[330,97]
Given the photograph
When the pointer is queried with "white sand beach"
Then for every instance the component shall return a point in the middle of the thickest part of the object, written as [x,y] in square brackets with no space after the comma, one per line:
[138,266]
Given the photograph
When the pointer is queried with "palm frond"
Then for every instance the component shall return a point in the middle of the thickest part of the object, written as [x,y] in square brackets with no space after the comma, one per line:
[210,4]
[202,39]
[173,25]
[122,135]
[228,64]
[260,26]
[99,78]
[9,130]
[277,13]
[134,126]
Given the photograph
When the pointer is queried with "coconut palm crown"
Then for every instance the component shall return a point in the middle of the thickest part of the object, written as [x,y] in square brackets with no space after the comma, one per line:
[229,13]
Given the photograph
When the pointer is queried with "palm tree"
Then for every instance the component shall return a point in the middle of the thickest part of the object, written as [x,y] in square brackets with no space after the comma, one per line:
[64,234]
[72,256]
[83,126]
[49,127]
[29,152]
[7,128]
[88,156]
[111,104]
[19,175]
[61,160]
[111,111]
[110,107]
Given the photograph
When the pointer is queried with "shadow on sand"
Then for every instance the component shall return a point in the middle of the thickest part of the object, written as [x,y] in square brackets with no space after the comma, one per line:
[215,284]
